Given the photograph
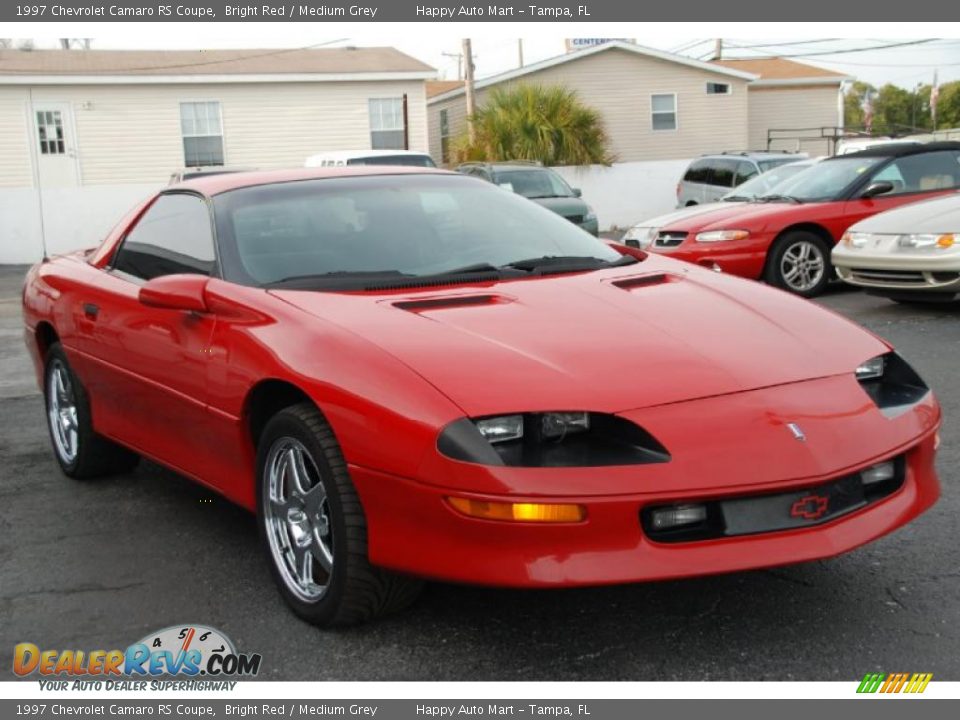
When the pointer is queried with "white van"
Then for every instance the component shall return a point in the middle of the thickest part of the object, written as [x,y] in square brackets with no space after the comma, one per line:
[339,158]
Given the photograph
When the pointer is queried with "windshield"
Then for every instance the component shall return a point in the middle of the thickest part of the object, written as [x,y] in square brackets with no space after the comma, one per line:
[398,225]
[763,184]
[533,183]
[827,180]
[766,165]
[413,160]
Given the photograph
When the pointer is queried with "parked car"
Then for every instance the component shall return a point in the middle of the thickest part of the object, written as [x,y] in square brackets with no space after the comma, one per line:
[341,158]
[909,254]
[709,178]
[397,396]
[786,237]
[645,232]
[540,184]
[195,172]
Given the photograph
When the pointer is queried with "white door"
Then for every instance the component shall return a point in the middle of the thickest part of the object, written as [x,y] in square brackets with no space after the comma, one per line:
[55,147]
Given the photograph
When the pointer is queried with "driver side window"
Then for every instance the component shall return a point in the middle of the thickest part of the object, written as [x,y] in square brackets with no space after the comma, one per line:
[925,172]
[173,236]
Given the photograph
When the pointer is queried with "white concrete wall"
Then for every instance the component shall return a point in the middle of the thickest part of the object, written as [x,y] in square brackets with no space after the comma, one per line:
[73,218]
[626,193]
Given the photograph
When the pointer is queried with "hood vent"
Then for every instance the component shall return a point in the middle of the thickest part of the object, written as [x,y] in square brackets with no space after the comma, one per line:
[641,281]
[443,303]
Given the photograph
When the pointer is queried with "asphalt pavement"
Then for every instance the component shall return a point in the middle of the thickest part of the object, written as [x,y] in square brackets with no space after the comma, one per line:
[98,565]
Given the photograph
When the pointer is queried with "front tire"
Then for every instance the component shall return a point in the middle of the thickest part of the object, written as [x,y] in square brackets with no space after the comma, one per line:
[313,527]
[799,262]
[79,451]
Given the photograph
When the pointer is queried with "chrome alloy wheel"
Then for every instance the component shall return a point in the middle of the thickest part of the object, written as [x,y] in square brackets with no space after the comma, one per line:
[62,412]
[802,266]
[296,513]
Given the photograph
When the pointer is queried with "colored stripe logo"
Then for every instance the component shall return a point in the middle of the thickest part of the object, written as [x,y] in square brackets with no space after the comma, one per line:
[894,683]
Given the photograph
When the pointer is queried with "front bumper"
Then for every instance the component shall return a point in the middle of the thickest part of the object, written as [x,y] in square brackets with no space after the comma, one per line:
[898,271]
[744,258]
[413,530]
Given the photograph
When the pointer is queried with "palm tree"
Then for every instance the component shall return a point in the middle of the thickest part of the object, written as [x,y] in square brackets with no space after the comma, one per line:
[532,122]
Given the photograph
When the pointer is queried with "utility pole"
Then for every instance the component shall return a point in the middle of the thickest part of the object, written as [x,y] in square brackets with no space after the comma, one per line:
[459,57]
[520,51]
[468,76]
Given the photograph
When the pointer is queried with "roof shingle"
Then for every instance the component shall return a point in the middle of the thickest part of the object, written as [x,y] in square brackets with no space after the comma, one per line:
[776,68]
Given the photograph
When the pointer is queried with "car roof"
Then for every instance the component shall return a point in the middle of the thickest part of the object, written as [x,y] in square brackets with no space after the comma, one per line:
[352,154]
[215,184]
[901,149]
[752,155]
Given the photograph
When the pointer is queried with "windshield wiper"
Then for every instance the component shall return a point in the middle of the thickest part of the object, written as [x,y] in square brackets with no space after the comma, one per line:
[738,198]
[568,263]
[335,274]
[546,197]
[780,198]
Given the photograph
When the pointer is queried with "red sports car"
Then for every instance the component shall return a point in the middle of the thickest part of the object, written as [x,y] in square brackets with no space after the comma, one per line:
[786,238]
[414,374]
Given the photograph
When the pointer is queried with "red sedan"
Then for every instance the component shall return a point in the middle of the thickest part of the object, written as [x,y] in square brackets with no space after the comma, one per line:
[786,238]
[413,374]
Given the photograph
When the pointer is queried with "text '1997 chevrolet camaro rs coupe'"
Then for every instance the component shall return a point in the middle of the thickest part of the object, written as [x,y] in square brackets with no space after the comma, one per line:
[409,373]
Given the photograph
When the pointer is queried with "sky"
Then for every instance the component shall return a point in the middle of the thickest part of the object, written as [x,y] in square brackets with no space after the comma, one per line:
[495,52]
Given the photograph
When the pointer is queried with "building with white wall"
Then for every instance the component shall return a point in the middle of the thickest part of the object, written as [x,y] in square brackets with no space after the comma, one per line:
[84,134]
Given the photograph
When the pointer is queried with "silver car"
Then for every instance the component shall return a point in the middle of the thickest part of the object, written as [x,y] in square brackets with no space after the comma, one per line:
[709,178]
[908,254]
[643,233]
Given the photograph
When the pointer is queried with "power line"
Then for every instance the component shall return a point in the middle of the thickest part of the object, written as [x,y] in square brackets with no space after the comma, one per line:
[857,50]
[779,44]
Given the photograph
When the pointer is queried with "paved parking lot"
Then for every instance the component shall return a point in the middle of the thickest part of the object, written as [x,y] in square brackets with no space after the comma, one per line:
[99,564]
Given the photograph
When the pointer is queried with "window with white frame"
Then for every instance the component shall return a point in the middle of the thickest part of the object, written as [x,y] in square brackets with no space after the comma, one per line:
[663,110]
[202,133]
[714,88]
[386,124]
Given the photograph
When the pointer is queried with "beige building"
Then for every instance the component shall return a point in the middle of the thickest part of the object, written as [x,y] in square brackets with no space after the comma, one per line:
[86,117]
[660,106]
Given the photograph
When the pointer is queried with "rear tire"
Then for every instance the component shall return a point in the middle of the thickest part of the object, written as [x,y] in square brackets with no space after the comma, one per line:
[79,451]
[313,528]
[799,262]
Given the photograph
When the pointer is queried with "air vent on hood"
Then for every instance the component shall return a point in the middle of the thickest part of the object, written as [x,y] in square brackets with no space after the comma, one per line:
[453,301]
[640,281]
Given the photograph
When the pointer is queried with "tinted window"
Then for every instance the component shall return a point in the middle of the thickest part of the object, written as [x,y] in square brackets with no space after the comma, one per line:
[770,164]
[723,172]
[414,160]
[922,173]
[173,236]
[410,224]
[746,171]
[698,172]
[537,183]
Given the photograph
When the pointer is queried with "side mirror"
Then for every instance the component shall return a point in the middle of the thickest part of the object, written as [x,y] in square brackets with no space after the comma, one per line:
[877,188]
[577,192]
[176,292]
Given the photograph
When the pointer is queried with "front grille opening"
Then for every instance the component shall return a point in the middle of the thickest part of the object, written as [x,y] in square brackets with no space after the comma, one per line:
[774,512]
[670,239]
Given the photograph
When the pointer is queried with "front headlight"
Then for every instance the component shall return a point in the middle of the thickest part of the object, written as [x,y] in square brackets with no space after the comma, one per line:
[856,239]
[924,241]
[721,235]
[550,439]
[641,237]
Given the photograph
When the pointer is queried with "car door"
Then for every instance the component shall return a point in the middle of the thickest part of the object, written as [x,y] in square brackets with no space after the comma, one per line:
[914,178]
[147,367]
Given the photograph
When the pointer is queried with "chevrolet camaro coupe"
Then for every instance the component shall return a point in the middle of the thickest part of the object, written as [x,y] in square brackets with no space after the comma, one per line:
[786,237]
[409,373]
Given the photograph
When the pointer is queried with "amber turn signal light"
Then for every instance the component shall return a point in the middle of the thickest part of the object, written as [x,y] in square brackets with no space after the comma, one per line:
[519,512]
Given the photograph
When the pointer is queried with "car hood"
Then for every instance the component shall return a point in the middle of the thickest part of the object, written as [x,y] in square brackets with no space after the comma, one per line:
[668,219]
[565,206]
[612,340]
[748,215]
[940,215]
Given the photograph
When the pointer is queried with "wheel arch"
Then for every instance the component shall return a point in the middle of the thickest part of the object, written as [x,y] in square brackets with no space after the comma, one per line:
[815,228]
[265,399]
[46,335]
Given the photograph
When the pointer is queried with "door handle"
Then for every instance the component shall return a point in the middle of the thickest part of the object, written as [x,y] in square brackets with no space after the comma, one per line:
[91,310]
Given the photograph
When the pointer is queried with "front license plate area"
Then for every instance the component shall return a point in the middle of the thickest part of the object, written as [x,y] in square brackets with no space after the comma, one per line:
[766,513]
